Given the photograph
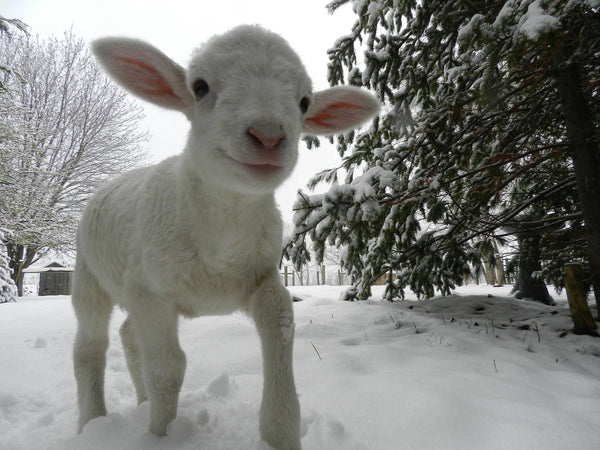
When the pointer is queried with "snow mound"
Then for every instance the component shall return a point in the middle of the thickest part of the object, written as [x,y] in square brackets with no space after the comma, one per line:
[488,307]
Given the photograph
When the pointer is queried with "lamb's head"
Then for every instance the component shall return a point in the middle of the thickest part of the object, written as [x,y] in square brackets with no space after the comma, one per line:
[248,98]
[250,92]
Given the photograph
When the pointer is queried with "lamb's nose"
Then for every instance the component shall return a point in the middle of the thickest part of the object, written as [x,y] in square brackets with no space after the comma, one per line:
[267,140]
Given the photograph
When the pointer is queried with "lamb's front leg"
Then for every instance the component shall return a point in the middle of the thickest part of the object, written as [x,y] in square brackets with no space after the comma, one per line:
[163,360]
[271,309]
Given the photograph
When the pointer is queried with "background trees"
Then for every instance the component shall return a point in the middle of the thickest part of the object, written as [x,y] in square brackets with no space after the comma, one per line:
[65,129]
[478,142]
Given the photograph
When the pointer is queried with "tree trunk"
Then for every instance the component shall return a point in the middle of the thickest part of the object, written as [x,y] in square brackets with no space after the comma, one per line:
[21,258]
[580,312]
[15,253]
[528,284]
[490,274]
[585,152]
[499,270]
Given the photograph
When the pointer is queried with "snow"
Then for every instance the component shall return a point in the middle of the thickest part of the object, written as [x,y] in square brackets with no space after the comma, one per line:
[531,24]
[474,370]
[507,9]
[536,21]
[468,28]
[373,10]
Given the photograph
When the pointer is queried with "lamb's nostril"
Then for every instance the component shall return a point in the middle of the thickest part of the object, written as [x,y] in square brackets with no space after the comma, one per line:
[268,141]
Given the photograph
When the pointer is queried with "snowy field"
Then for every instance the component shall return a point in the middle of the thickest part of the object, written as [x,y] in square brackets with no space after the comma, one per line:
[466,371]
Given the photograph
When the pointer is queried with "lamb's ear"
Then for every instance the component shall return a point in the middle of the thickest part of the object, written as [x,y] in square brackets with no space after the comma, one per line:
[339,109]
[144,71]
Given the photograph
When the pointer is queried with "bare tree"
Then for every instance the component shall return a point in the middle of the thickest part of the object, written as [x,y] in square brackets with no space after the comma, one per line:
[66,129]
[7,27]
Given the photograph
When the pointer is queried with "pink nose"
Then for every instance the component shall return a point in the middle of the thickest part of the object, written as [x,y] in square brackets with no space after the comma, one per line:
[265,140]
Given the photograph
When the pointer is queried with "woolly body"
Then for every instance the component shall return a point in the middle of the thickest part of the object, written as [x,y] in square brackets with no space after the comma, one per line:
[206,256]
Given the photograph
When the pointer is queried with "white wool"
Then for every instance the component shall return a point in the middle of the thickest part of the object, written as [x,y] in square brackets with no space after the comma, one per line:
[199,233]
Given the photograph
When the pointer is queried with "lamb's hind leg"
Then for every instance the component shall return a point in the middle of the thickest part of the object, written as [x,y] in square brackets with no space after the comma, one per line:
[271,309]
[133,358]
[93,308]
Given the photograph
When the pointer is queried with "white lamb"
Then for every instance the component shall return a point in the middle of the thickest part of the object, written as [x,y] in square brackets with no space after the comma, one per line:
[199,233]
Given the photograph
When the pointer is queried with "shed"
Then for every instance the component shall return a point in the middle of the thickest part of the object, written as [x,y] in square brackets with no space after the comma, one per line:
[55,279]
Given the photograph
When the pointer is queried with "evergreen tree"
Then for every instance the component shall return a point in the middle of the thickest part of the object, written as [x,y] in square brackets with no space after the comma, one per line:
[478,142]
[8,289]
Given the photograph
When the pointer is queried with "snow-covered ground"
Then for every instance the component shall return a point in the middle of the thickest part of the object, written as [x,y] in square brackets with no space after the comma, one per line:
[468,371]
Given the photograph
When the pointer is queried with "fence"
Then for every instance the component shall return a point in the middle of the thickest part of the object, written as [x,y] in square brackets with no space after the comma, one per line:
[314,275]
[333,275]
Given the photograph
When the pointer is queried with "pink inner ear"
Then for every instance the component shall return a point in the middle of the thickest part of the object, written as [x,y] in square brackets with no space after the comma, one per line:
[327,116]
[154,83]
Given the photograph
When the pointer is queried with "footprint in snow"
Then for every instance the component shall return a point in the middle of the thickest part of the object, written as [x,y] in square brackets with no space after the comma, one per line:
[221,386]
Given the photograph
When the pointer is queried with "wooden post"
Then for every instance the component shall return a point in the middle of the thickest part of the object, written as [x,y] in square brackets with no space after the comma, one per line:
[323,274]
[285,275]
[580,311]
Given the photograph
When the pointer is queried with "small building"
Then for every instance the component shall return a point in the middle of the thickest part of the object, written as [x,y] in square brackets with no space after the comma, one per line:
[55,279]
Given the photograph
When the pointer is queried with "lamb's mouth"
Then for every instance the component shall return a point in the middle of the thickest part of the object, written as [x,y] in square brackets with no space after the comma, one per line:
[258,167]
[262,170]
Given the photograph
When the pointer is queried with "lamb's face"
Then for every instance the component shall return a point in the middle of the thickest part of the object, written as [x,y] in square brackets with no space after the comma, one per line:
[251,92]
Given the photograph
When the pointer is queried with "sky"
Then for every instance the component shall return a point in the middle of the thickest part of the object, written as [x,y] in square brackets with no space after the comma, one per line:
[178,26]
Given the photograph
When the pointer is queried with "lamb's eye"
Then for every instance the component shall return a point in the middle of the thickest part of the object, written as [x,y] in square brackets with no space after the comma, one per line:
[200,88]
[304,103]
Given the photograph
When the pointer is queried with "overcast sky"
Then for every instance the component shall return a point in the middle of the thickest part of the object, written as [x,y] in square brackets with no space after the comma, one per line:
[176,27]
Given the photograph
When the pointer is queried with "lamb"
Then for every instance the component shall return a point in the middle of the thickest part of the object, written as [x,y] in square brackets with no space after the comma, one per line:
[199,233]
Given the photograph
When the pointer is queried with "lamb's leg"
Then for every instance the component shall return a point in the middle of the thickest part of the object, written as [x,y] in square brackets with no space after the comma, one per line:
[271,309]
[133,358]
[163,361]
[93,308]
